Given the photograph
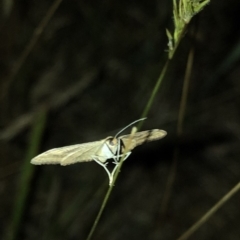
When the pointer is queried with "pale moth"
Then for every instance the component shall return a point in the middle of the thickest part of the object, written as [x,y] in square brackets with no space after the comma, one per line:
[100,151]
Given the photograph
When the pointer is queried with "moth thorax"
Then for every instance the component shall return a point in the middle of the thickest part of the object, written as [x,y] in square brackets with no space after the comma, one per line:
[108,149]
[112,144]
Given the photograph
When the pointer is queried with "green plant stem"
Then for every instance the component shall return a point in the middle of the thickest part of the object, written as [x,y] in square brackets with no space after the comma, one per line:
[104,202]
[154,93]
[26,175]
[109,190]
[171,53]
[159,81]
[180,34]
[144,114]
[100,211]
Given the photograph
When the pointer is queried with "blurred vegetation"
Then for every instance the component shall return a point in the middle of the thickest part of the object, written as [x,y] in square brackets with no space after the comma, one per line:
[93,69]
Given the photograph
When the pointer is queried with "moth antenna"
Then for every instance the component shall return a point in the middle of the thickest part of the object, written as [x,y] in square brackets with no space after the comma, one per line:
[141,119]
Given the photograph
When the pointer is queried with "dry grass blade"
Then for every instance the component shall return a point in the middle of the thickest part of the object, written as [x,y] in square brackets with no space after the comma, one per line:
[203,219]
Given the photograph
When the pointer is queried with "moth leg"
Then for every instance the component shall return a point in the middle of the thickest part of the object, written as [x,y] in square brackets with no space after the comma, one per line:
[116,158]
[127,155]
[117,163]
[104,166]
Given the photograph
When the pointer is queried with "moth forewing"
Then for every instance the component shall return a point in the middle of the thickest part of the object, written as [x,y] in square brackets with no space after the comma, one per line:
[129,141]
[54,156]
[67,155]
[98,150]
[85,153]
[142,137]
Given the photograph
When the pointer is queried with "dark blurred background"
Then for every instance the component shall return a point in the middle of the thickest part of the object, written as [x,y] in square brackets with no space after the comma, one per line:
[93,69]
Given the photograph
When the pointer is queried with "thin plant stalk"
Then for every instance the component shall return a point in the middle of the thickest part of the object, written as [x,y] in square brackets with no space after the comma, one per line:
[154,93]
[182,15]
[96,221]
[181,116]
[209,213]
[182,12]
[26,175]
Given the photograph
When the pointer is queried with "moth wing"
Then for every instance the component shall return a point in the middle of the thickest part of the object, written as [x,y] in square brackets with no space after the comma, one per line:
[141,137]
[85,153]
[68,155]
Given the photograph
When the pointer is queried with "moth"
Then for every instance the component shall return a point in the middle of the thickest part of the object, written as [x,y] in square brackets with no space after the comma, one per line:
[100,151]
